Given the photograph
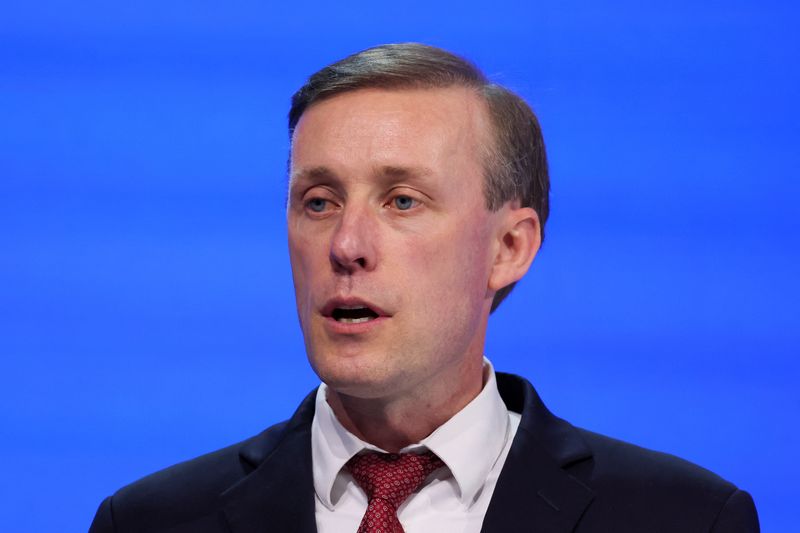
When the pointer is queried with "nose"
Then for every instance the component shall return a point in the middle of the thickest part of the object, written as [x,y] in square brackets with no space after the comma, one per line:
[354,243]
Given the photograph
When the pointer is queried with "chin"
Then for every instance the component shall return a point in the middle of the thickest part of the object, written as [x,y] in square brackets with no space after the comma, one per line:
[358,375]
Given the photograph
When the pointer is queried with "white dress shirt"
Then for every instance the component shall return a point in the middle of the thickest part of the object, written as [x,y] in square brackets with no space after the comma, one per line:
[473,445]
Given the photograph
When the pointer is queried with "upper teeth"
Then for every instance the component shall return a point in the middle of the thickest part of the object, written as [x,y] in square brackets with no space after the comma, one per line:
[354,320]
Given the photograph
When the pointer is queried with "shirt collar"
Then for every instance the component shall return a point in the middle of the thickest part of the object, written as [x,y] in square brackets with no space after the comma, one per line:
[469,443]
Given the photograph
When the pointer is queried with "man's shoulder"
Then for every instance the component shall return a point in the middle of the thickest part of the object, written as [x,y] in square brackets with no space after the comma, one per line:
[656,490]
[188,492]
[616,460]
[624,486]
[202,476]
[190,496]
[599,460]
[618,463]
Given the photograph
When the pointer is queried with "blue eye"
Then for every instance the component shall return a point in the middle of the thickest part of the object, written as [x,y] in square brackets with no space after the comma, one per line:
[317,204]
[404,202]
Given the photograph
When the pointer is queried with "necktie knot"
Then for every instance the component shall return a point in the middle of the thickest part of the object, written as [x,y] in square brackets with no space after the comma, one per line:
[389,479]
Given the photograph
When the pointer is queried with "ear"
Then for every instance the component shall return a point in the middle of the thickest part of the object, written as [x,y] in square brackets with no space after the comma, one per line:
[518,240]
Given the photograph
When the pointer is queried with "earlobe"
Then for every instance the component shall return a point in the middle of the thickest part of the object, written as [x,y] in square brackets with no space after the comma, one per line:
[518,243]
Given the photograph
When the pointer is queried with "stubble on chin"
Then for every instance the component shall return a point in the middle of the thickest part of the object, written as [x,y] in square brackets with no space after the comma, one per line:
[365,376]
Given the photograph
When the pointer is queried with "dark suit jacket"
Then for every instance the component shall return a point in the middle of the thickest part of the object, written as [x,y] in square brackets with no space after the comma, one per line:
[557,478]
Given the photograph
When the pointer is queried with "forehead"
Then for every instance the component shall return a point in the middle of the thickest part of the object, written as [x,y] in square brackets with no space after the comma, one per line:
[434,128]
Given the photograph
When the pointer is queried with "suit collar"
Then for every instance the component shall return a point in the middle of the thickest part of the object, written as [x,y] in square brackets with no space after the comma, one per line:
[278,495]
[534,492]
[557,437]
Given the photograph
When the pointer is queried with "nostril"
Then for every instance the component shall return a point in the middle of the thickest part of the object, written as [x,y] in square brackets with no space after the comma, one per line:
[349,266]
[341,262]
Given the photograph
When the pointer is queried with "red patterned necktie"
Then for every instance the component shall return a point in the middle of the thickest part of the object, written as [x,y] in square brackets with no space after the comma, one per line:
[388,479]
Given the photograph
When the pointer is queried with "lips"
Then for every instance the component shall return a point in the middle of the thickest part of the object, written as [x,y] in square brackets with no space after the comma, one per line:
[353,315]
[352,310]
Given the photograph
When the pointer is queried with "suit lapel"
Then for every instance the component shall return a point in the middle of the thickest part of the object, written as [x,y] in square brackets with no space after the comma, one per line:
[534,492]
[279,494]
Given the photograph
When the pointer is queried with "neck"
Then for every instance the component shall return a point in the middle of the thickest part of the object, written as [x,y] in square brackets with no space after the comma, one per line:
[404,419]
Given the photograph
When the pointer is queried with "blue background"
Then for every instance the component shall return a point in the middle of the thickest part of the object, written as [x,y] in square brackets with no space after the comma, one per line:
[146,309]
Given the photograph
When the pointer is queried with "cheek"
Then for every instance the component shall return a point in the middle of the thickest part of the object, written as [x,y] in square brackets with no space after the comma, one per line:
[455,263]
[303,260]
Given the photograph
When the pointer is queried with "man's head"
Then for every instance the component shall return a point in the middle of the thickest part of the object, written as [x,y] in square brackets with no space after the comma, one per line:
[400,240]
[514,158]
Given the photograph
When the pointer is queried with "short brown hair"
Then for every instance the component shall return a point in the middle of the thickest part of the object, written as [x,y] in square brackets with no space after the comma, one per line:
[515,166]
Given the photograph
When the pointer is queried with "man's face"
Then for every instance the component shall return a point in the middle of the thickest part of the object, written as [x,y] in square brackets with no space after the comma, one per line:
[391,243]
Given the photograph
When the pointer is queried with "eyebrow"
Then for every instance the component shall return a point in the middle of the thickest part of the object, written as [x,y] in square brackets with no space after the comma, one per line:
[392,172]
[397,172]
[313,173]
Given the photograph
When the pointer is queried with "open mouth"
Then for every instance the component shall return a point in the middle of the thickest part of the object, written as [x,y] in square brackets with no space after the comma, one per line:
[353,315]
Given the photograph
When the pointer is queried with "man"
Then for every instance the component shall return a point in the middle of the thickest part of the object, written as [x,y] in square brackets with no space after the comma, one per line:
[418,196]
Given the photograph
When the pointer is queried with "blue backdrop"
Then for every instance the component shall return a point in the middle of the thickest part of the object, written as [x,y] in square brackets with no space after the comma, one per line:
[147,314]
